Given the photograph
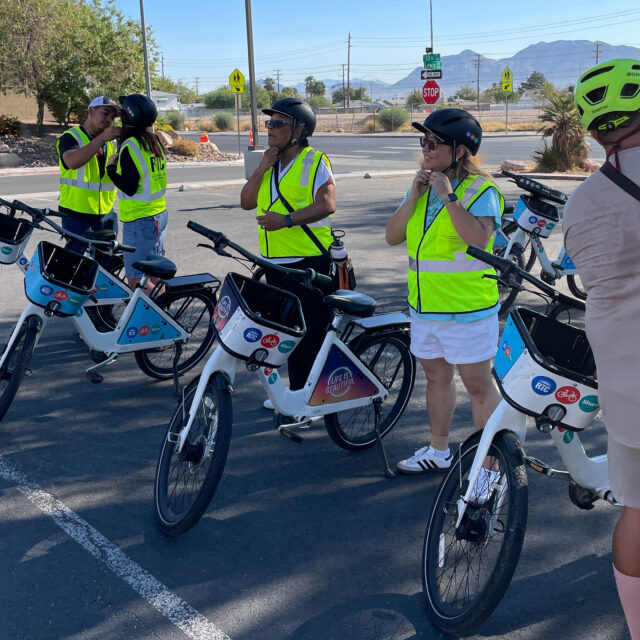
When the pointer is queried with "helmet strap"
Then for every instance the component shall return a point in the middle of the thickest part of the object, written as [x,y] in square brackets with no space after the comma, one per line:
[615,147]
[454,159]
[291,142]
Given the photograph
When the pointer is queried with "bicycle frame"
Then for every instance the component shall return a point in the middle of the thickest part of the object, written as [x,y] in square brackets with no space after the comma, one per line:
[332,386]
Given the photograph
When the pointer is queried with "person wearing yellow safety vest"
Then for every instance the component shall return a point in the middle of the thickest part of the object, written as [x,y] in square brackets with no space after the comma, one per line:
[454,310]
[139,171]
[294,191]
[87,194]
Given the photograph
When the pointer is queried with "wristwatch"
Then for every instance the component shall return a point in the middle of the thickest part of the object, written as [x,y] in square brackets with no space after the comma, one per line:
[452,197]
[288,220]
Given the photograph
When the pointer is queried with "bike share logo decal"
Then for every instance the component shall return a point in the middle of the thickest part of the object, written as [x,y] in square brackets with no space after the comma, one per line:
[95,289]
[268,371]
[550,226]
[567,437]
[132,332]
[252,334]
[272,378]
[543,386]
[589,404]
[155,329]
[541,223]
[270,340]
[224,305]
[567,395]
[533,220]
[286,346]
[144,331]
[104,288]
[75,300]
[61,295]
[507,350]
[6,250]
[339,382]
[45,290]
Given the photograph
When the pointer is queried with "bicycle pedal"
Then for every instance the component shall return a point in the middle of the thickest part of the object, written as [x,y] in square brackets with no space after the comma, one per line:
[537,465]
[28,372]
[94,377]
[294,437]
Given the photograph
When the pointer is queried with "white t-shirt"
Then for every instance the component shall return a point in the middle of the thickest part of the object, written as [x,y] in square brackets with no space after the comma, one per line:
[323,176]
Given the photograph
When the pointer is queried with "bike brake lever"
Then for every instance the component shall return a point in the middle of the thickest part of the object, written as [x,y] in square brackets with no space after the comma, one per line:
[206,246]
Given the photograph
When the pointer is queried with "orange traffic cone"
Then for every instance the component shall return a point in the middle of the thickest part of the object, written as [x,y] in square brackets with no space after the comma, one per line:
[204,137]
[250,138]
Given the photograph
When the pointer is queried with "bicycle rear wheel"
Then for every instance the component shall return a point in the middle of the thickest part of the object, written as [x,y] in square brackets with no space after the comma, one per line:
[15,365]
[466,571]
[185,482]
[193,310]
[390,360]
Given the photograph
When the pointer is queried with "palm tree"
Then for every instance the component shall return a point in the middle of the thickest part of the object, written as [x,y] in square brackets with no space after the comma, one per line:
[562,124]
[309,81]
[269,84]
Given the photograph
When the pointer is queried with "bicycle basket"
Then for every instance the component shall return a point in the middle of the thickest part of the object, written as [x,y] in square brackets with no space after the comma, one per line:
[254,320]
[59,279]
[535,215]
[14,235]
[542,362]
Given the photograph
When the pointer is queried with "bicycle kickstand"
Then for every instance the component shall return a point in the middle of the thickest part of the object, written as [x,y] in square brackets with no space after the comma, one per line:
[377,410]
[176,359]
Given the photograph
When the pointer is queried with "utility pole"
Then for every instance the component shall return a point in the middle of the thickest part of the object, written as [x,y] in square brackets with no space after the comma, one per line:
[431,23]
[278,80]
[197,94]
[162,66]
[252,75]
[597,51]
[478,82]
[344,94]
[144,50]
[348,69]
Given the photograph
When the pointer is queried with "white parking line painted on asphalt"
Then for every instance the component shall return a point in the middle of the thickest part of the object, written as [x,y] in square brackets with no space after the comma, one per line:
[179,612]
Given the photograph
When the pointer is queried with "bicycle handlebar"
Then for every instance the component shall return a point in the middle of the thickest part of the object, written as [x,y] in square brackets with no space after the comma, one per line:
[506,268]
[220,241]
[537,188]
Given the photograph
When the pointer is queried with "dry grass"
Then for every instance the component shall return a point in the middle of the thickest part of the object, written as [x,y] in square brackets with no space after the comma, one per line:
[184,147]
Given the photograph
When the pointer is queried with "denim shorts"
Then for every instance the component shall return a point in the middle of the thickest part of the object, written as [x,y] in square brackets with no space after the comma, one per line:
[147,236]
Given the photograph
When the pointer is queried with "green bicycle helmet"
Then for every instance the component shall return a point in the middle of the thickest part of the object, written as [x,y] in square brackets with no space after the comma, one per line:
[608,93]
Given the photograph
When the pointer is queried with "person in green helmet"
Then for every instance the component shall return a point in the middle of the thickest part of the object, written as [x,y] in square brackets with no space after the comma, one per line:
[601,230]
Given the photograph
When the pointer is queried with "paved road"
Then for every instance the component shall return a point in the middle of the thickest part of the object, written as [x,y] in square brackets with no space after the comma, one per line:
[303,542]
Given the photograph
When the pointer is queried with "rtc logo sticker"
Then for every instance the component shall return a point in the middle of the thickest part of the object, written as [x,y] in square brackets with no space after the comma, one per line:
[144,330]
[589,404]
[270,340]
[132,332]
[224,304]
[567,395]
[61,295]
[339,382]
[286,346]
[23,261]
[252,334]
[533,220]
[45,290]
[543,386]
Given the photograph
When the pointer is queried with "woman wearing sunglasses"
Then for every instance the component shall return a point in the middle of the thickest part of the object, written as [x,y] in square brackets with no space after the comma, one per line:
[454,310]
[294,192]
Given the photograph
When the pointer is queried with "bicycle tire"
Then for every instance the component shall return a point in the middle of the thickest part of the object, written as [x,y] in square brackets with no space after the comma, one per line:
[575,286]
[186,483]
[15,365]
[461,584]
[390,360]
[158,363]
[507,295]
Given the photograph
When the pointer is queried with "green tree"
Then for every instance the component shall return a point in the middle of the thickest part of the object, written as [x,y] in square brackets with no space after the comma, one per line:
[534,82]
[562,124]
[354,94]
[269,84]
[467,93]
[414,100]
[221,98]
[263,98]
[317,102]
[185,94]
[393,118]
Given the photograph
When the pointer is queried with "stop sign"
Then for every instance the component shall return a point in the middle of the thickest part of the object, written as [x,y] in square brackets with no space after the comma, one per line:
[430,92]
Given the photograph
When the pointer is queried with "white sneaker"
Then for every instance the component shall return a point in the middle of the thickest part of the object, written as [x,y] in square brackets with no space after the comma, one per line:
[425,459]
[484,483]
[268,405]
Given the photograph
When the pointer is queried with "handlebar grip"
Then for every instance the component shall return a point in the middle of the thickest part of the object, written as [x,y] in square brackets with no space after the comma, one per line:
[495,261]
[214,236]
[27,209]
[124,247]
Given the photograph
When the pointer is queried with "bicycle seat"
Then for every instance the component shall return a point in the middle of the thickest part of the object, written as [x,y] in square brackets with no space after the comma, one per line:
[101,235]
[157,266]
[351,302]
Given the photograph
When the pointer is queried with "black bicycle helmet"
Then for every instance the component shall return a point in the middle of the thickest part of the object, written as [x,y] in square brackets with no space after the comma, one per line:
[453,126]
[297,109]
[138,111]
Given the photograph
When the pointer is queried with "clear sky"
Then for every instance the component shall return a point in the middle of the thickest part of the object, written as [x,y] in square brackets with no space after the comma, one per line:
[207,39]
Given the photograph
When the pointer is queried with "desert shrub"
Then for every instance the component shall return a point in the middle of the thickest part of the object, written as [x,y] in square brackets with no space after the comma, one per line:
[10,126]
[392,118]
[223,121]
[175,118]
[184,147]
[161,124]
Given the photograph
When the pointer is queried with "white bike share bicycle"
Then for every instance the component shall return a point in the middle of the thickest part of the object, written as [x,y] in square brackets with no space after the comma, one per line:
[359,385]
[544,369]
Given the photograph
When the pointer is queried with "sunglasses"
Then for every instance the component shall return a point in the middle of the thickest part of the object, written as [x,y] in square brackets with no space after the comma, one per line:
[275,124]
[429,144]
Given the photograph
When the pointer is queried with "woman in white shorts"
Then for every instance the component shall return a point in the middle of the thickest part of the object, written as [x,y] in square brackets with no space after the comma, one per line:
[454,310]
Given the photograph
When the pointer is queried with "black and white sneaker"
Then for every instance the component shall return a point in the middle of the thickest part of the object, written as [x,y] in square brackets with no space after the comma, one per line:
[425,459]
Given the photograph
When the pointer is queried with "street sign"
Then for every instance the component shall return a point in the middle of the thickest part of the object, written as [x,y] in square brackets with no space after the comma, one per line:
[506,80]
[431,58]
[431,74]
[430,92]
[236,81]
[437,65]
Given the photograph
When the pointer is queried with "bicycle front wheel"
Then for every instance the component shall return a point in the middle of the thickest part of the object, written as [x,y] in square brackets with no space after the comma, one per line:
[575,286]
[15,365]
[185,482]
[466,571]
[193,310]
[390,360]
[507,295]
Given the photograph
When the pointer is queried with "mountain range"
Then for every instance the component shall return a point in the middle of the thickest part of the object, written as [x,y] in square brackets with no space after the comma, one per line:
[561,62]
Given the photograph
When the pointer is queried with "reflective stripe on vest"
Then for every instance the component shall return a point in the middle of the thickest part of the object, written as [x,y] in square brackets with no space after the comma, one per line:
[296,186]
[149,199]
[82,189]
[442,278]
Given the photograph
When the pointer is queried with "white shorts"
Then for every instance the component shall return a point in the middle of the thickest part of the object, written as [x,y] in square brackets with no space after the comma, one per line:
[457,343]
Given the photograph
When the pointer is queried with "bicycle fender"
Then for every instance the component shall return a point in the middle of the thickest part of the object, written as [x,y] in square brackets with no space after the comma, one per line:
[34,322]
[512,443]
